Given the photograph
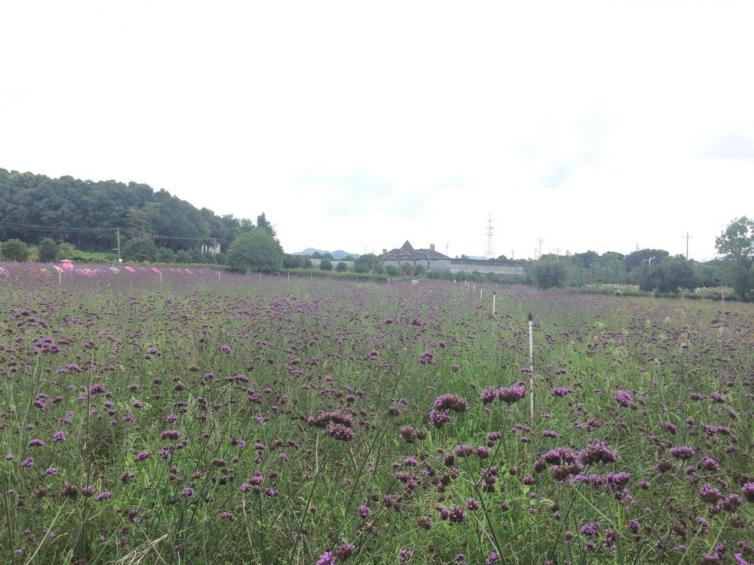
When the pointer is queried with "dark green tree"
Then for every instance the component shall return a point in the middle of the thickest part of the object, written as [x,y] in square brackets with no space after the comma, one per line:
[48,250]
[139,250]
[667,276]
[256,250]
[549,274]
[341,267]
[391,270]
[736,243]
[366,263]
[183,256]
[325,265]
[165,255]
[14,250]
[141,212]
[642,256]
[264,224]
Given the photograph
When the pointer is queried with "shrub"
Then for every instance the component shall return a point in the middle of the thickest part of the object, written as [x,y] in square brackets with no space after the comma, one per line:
[139,250]
[325,265]
[196,256]
[14,250]
[667,276]
[182,256]
[48,250]
[341,267]
[549,274]
[165,255]
[256,250]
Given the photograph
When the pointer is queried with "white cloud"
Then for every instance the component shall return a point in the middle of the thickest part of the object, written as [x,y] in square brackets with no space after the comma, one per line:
[590,124]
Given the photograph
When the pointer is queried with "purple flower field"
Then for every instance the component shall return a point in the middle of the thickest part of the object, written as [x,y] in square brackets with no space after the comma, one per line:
[202,418]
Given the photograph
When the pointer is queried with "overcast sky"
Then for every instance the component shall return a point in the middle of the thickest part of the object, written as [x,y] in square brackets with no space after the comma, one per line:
[359,125]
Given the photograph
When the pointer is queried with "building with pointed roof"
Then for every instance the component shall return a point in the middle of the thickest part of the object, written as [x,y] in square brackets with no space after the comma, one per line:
[406,258]
[406,254]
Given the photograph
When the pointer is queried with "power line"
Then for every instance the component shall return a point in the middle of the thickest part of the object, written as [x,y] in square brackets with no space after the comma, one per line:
[33,227]
[81,229]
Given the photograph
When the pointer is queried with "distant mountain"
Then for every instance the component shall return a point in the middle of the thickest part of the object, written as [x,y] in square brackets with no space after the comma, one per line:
[309,251]
[338,254]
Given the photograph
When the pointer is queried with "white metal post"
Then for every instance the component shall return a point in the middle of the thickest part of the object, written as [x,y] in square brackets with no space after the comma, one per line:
[531,367]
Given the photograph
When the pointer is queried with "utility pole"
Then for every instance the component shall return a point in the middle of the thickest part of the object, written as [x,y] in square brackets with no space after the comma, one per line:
[540,241]
[490,229]
[117,239]
[687,236]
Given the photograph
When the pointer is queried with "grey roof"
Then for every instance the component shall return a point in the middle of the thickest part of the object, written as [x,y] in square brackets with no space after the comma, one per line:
[407,253]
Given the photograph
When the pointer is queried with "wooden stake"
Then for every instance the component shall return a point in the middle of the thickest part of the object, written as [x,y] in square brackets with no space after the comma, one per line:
[531,367]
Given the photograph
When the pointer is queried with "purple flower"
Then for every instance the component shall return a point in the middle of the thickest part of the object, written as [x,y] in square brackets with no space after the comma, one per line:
[748,490]
[188,491]
[340,432]
[27,463]
[51,471]
[427,358]
[512,394]
[363,511]
[438,417]
[36,443]
[709,494]
[104,495]
[456,515]
[58,437]
[590,529]
[451,402]
[616,481]
[142,455]
[682,452]
[488,395]
[597,452]
[405,555]
[326,559]
[623,398]
[561,391]
[345,551]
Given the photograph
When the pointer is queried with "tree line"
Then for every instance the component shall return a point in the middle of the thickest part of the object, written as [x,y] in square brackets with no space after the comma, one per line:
[87,213]
[655,270]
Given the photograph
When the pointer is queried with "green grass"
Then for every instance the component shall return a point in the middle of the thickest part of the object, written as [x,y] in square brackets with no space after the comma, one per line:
[305,347]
